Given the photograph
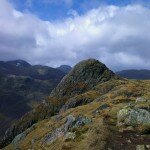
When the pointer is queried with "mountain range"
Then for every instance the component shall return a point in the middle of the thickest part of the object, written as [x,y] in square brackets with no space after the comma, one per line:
[22,87]
[135,74]
[91,108]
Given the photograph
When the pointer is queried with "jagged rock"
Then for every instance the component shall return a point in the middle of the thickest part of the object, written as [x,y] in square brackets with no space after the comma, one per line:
[21,136]
[71,122]
[81,121]
[74,102]
[84,76]
[50,138]
[134,117]
[15,130]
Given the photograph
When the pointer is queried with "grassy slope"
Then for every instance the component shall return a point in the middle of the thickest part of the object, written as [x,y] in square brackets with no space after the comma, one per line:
[102,133]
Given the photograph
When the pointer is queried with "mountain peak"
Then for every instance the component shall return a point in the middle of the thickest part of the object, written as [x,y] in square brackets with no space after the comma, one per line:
[84,76]
[19,63]
[64,68]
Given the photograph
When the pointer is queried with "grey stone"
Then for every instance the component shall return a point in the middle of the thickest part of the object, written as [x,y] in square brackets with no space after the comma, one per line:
[51,137]
[148,146]
[81,121]
[134,117]
[21,136]
[140,147]
[71,122]
[70,136]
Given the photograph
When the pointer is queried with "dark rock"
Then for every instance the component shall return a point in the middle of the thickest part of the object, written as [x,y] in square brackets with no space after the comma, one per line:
[84,76]
[74,102]
[81,121]
[102,107]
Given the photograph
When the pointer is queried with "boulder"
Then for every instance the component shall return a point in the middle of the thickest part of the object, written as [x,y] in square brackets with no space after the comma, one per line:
[137,118]
[61,131]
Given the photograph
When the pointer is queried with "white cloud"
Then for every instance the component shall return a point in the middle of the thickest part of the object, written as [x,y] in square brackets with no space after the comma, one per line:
[118,36]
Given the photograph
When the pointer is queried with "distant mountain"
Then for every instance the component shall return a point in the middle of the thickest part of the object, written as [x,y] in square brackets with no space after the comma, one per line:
[65,68]
[22,87]
[22,68]
[18,63]
[135,74]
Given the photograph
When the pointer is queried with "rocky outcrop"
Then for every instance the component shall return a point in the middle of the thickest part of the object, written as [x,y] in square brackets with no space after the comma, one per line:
[63,131]
[133,118]
[21,136]
[74,102]
[50,138]
[84,76]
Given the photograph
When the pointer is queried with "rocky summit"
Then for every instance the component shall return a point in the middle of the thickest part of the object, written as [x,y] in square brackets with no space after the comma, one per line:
[90,109]
[84,76]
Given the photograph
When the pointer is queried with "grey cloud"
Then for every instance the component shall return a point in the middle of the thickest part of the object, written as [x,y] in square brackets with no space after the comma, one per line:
[118,36]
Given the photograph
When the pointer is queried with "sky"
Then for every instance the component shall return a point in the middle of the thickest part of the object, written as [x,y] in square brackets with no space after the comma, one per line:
[56,32]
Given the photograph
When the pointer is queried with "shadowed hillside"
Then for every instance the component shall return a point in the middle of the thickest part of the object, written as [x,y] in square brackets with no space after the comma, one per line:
[23,87]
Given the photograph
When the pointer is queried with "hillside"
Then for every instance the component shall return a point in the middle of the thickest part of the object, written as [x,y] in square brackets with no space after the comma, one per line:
[135,74]
[91,108]
[22,87]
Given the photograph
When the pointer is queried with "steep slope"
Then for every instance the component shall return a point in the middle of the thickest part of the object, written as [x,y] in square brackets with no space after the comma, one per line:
[82,78]
[23,87]
[135,74]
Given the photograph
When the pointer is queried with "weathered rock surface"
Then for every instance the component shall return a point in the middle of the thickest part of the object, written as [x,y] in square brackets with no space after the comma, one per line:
[74,102]
[21,136]
[63,131]
[84,76]
[137,118]
[50,138]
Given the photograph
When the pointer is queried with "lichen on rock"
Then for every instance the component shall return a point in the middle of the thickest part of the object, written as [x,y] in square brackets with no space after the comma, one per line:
[137,118]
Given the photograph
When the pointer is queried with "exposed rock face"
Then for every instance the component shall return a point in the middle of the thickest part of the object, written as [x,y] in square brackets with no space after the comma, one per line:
[50,138]
[71,122]
[136,118]
[74,102]
[84,76]
[21,136]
